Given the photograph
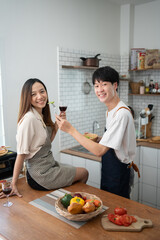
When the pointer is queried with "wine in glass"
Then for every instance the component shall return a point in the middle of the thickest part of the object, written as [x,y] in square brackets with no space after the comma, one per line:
[62,107]
[6,188]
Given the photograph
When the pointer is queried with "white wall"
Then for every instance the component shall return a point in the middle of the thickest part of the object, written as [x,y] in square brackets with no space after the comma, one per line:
[31,30]
[146,25]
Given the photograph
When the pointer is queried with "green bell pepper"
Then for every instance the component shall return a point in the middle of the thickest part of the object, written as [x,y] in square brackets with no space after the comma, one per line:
[66,200]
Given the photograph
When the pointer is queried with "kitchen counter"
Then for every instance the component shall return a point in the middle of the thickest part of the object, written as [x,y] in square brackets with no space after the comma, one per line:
[88,155]
[22,221]
[148,144]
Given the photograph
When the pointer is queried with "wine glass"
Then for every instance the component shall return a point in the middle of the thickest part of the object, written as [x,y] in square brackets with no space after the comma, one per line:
[62,106]
[6,188]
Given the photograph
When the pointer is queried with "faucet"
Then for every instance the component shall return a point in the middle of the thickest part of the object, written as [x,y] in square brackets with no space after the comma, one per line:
[93,125]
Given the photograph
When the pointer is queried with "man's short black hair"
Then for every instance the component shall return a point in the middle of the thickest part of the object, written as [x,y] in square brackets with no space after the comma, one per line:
[105,74]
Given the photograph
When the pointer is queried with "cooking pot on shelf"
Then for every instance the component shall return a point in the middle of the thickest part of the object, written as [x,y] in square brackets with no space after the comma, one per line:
[91,62]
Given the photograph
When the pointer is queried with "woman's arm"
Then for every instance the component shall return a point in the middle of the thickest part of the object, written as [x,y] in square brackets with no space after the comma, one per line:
[63,116]
[17,169]
[54,132]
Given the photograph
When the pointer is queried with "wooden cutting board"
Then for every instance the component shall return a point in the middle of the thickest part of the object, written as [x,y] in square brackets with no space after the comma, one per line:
[134,227]
[155,139]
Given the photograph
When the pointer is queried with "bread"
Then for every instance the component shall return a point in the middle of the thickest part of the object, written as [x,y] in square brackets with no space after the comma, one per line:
[3,150]
[156,138]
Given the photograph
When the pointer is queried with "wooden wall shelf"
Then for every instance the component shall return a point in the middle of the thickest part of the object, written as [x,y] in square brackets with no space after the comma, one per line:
[79,67]
[154,94]
[140,70]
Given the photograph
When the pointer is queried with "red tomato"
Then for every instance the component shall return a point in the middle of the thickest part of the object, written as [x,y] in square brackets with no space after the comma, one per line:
[120,210]
[118,220]
[97,203]
[126,220]
[89,200]
[115,219]
[111,217]
[134,219]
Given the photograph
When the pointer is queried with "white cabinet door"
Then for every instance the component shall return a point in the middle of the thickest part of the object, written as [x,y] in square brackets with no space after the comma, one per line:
[148,187]
[158,187]
[79,162]
[94,169]
[135,188]
[66,158]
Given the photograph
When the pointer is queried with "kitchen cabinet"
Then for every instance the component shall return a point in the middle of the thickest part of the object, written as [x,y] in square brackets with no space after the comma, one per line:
[135,188]
[93,167]
[149,183]
[145,189]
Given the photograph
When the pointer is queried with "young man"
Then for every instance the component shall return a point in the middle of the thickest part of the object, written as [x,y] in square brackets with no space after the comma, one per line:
[118,144]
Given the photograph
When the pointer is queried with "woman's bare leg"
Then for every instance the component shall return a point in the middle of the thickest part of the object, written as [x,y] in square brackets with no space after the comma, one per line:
[81,175]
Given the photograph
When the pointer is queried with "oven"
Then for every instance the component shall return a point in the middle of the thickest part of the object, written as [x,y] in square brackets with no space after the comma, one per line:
[7,164]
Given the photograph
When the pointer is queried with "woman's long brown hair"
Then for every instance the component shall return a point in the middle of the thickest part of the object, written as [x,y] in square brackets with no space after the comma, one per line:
[25,102]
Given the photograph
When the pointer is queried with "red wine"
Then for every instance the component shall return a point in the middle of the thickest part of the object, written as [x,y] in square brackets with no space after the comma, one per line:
[7,190]
[63,109]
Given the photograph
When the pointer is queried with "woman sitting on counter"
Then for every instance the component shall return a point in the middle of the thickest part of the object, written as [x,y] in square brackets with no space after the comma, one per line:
[118,144]
[35,133]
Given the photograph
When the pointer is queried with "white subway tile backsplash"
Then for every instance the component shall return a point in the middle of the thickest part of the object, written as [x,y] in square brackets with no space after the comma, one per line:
[84,109]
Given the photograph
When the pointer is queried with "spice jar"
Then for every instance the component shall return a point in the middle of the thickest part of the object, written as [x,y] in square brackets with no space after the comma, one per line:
[156,86]
[147,86]
[151,86]
[142,89]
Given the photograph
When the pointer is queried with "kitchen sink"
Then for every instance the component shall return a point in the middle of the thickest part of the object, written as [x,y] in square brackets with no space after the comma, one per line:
[80,149]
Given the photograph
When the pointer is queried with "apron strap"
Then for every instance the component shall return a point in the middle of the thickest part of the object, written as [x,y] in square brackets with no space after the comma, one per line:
[119,109]
[136,169]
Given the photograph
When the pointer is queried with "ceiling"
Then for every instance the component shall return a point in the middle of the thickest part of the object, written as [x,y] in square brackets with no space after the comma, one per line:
[134,2]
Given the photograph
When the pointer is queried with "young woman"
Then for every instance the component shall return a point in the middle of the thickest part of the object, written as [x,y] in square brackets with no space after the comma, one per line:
[35,133]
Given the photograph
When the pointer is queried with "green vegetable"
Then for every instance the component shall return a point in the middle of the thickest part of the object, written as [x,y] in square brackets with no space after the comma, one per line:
[66,200]
[50,102]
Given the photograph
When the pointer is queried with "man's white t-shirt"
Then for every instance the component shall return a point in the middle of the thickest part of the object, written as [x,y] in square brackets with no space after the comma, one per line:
[120,134]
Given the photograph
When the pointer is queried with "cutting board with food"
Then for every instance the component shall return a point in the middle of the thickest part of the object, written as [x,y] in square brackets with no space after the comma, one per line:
[121,221]
[155,139]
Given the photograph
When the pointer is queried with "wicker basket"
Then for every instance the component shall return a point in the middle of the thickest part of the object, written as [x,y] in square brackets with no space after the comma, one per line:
[78,217]
[135,86]
[91,136]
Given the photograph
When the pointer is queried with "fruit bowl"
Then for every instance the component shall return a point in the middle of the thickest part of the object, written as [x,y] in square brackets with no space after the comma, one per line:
[78,217]
[91,136]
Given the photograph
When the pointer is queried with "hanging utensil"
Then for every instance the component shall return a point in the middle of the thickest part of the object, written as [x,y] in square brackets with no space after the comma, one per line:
[86,87]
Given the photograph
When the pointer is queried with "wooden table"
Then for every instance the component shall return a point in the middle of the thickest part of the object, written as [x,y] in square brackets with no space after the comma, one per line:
[23,221]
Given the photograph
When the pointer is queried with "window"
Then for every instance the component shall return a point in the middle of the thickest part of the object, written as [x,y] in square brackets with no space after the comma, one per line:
[2,135]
